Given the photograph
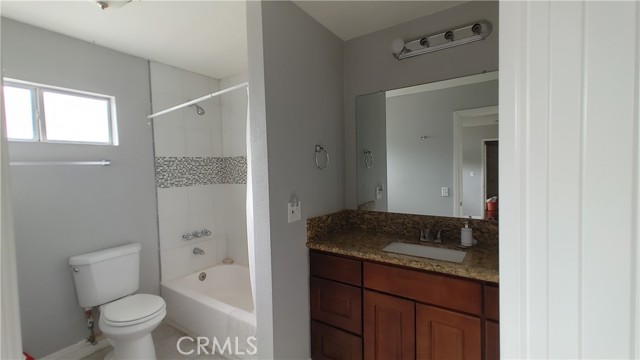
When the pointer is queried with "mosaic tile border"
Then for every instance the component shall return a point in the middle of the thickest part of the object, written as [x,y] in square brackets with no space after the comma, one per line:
[190,171]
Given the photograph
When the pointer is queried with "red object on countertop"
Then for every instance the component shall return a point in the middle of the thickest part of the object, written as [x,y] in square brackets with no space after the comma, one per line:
[27,356]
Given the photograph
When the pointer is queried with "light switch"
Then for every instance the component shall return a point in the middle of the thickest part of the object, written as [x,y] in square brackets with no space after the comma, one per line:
[294,209]
[445,191]
[379,192]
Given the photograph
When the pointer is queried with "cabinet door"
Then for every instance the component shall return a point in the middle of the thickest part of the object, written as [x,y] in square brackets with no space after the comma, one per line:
[330,343]
[491,340]
[389,327]
[443,334]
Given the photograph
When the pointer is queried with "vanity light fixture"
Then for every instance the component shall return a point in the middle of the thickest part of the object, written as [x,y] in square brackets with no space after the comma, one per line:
[476,31]
[111,4]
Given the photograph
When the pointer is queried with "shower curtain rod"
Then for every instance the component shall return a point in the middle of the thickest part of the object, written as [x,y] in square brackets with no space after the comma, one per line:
[206,97]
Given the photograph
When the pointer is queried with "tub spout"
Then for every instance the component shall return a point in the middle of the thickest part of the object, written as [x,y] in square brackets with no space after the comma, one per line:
[198,251]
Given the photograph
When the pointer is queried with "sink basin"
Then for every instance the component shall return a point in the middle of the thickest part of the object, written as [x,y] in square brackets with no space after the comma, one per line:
[430,252]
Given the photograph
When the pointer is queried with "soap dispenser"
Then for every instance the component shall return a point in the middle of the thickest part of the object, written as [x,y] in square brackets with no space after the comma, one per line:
[466,238]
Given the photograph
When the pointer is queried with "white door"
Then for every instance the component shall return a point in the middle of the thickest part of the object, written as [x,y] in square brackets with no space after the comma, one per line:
[569,152]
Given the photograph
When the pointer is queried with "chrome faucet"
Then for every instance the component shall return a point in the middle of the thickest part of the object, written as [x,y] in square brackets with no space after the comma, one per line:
[438,238]
[198,251]
[425,234]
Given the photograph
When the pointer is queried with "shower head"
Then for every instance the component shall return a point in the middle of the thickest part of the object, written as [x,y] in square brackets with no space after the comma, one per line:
[199,109]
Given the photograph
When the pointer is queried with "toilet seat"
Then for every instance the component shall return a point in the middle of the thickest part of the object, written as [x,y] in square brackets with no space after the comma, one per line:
[132,310]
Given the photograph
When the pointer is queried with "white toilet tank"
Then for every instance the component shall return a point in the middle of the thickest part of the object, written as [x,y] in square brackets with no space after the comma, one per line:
[106,275]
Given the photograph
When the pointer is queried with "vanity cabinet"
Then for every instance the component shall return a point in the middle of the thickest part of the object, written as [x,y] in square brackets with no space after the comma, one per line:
[491,325]
[361,309]
[444,334]
[389,327]
[336,307]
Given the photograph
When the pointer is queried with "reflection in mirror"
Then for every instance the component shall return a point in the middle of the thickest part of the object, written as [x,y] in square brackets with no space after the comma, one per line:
[430,149]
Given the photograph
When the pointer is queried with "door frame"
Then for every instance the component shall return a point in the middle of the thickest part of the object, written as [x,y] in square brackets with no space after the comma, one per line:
[483,169]
[480,116]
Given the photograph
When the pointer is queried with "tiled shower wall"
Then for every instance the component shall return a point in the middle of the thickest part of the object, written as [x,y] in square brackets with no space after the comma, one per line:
[200,181]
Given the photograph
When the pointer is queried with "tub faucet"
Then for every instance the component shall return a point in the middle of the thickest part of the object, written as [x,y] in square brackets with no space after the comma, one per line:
[198,251]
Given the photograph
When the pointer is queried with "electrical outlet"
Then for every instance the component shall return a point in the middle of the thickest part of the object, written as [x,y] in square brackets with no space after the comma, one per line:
[294,210]
[445,191]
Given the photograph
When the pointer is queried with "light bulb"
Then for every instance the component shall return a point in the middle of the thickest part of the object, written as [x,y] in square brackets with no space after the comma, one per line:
[111,4]
[397,45]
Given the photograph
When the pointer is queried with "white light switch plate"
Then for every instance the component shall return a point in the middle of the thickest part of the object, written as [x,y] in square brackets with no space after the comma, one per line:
[445,191]
[294,210]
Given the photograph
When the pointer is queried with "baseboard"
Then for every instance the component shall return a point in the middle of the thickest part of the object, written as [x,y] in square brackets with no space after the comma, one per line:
[78,350]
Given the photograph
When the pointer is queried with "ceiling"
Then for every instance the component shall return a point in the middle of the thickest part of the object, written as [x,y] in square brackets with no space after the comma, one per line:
[350,19]
[206,37]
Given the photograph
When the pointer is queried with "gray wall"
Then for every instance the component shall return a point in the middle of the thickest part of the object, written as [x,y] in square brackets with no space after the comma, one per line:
[472,136]
[303,69]
[370,67]
[62,211]
[418,168]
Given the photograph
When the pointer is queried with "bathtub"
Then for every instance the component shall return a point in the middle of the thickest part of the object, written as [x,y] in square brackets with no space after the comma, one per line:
[219,307]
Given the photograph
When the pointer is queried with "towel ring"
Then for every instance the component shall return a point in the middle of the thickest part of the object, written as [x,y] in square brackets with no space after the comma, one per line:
[320,150]
[368,159]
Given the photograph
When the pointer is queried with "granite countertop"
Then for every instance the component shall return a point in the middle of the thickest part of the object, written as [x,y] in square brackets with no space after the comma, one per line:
[480,263]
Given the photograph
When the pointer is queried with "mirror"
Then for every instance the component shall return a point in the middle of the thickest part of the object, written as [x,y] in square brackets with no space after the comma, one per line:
[430,149]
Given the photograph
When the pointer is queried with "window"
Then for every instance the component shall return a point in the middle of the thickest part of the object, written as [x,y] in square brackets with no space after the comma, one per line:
[48,114]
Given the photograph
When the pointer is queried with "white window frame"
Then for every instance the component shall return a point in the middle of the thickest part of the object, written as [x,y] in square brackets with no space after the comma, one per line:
[39,120]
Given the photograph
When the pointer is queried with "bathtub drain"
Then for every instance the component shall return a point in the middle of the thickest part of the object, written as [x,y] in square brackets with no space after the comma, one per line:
[202,276]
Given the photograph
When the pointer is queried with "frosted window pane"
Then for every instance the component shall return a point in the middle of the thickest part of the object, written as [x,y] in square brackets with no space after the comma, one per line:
[18,108]
[75,118]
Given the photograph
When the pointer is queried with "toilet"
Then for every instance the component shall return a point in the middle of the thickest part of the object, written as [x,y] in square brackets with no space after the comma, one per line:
[108,279]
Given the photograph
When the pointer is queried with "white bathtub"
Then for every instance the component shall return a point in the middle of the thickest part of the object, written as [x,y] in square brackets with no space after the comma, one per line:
[219,307]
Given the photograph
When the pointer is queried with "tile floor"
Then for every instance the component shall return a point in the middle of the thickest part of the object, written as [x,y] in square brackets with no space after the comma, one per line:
[165,338]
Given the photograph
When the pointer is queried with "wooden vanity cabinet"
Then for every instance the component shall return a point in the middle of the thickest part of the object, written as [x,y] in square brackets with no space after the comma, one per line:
[491,324]
[361,309]
[389,327]
[336,307]
[444,334]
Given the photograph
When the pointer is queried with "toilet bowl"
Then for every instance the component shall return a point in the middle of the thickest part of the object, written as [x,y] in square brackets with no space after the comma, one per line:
[128,322]
[109,279]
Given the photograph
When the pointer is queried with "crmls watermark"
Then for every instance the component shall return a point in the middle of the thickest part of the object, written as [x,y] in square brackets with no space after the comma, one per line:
[204,345]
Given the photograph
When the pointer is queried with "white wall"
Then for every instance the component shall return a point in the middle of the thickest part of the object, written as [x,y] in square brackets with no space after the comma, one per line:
[370,67]
[63,211]
[569,180]
[472,151]
[304,107]
[418,168]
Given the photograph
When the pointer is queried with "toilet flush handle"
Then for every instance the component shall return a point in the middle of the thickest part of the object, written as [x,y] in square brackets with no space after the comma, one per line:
[76,269]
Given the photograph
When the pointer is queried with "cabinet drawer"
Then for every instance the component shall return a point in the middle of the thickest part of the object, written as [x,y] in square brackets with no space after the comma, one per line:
[336,304]
[336,268]
[330,343]
[491,303]
[457,294]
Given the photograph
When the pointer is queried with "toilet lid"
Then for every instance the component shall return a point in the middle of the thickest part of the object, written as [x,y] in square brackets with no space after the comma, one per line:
[132,309]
